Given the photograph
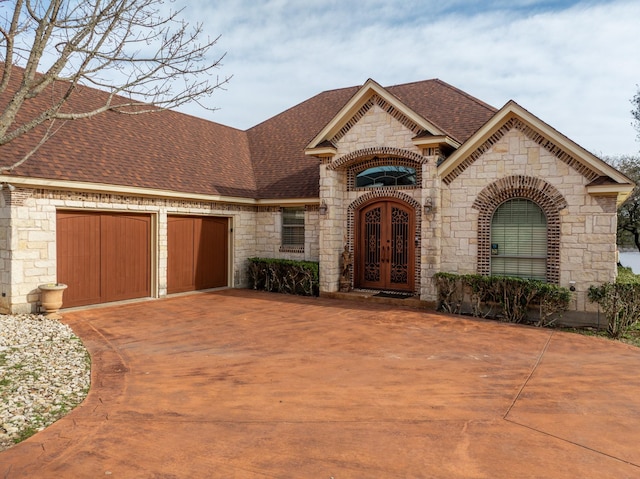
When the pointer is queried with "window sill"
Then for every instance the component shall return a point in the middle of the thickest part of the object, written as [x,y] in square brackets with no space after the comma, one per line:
[291,249]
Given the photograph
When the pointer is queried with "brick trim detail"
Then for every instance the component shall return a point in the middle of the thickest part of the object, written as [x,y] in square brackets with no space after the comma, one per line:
[349,159]
[546,196]
[382,194]
[533,135]
[86,197]
[387,107]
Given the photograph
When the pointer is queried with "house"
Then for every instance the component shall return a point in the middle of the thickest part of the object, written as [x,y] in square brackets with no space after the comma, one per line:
[408,180]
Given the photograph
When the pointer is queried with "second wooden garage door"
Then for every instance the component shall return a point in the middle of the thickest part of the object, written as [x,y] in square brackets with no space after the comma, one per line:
[197,253]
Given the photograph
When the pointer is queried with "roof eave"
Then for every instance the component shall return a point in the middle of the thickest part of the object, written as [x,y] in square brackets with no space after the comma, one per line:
[435,141]
[620,191]
[322,151]
[103,188]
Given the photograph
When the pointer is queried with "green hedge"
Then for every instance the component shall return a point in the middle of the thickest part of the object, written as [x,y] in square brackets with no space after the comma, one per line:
[284,276]
[620,303]
[627,276]
[502,297]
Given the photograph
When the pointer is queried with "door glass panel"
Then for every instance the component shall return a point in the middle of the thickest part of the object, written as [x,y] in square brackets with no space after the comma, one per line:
[399,246]
[372,226]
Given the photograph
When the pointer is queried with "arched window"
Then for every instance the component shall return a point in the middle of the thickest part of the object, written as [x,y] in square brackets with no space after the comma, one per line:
[519,240]
[386,175]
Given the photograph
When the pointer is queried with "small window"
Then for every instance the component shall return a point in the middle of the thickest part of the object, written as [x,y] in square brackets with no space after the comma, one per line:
[386,175]
[519,240]
[293,227]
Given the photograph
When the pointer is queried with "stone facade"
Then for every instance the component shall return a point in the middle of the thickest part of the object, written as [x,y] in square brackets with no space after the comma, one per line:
[28,237]
[377,134]
[31,237]
[457,189]
[453,212]
[268,234]
[586,242]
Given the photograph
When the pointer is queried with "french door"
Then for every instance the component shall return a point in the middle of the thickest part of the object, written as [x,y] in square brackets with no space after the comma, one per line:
[384,248]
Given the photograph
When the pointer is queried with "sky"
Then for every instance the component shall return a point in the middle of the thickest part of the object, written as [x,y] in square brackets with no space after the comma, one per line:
[574,64]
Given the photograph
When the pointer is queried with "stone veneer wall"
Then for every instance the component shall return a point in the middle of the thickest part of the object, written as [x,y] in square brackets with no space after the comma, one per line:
[28,237]
[268,232]
[376,133]
[5,249]
[587,249]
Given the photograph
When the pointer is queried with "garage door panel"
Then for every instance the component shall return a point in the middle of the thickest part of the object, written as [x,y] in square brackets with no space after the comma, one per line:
[197,253]
[212,254]
[78,251]
[103,257]
[180,265]
[125,257]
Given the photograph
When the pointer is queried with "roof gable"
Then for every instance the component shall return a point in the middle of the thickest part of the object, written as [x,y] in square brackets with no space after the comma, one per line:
[512,116]
[370,94]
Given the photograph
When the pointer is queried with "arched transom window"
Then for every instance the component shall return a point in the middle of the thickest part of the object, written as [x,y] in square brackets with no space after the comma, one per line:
[519,240]
[386,175]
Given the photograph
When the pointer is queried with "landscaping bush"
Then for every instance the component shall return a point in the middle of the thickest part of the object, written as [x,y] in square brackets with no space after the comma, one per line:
[284,276]
[505,298]
[627,276]
[620,304]
[450,292]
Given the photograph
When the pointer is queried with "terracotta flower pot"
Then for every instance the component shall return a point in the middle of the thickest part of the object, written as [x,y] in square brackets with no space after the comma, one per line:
[51,298]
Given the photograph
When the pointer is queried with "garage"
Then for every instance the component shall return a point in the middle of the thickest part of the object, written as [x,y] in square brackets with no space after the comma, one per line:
[103,257]
[198,253]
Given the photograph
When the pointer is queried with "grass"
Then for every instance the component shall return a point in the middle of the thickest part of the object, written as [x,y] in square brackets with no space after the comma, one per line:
[632,336]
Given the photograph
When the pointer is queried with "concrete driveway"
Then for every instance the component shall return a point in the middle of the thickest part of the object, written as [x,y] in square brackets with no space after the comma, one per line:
[239,384]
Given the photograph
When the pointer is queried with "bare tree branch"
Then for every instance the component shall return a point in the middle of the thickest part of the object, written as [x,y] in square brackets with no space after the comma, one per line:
[144,57]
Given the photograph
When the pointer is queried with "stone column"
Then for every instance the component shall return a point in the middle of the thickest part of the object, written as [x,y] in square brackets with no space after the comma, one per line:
[332,227]
[431,229]
[32,239]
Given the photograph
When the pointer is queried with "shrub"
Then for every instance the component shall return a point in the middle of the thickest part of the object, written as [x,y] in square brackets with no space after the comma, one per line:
[506,298]
[284,276]
[450,292]
[626,275]
[554,300]
[620,303]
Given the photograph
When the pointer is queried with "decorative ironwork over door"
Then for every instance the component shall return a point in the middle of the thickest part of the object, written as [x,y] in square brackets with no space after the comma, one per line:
[385,251]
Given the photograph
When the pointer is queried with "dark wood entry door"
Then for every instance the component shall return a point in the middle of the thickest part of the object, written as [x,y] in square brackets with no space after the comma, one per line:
[197,253]
[385,250]
[103,257]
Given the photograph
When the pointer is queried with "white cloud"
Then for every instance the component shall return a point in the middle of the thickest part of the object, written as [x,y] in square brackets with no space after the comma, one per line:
[575,67]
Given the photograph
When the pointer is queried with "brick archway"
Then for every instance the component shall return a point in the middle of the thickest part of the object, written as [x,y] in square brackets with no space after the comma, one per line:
[382,194]
[537,190]
[367,153]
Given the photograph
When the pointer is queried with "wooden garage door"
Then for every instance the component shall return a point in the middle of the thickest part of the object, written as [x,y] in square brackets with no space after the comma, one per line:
[197,253]
[103,257]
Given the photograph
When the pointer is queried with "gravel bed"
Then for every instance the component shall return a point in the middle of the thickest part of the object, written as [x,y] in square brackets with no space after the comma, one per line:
[44,374]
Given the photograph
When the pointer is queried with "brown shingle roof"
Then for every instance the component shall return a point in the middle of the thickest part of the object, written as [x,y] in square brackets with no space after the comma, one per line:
[172,151]
[277,145]
[457,113]
[163,150]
